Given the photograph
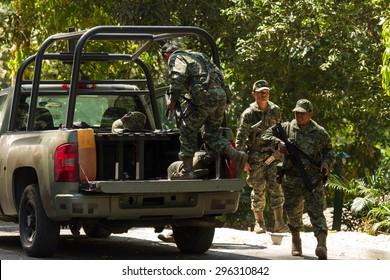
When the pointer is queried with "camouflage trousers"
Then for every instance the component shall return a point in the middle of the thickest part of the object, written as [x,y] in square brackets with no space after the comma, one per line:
[208,115]
[263,176]
[297,198]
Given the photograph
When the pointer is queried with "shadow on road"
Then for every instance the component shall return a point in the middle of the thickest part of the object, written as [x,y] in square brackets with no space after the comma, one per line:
[126,248]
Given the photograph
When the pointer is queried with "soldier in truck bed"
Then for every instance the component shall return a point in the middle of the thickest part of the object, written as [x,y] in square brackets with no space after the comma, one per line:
[261,165]
[194,73]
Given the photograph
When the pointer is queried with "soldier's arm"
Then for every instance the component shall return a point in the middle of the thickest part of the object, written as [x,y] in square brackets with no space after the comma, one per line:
[179,77]
[243,131]
[269,137]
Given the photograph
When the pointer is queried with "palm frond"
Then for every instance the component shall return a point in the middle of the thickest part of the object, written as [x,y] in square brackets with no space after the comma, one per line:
[382,216]
[340,183]
[381,226]
[360,204]
[380,212]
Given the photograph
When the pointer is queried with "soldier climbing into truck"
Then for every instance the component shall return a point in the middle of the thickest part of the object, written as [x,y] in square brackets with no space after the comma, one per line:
[193,73]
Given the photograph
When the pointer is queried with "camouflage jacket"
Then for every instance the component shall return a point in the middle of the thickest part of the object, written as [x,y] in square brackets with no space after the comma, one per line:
[188,73]
[248,138]
[313,141]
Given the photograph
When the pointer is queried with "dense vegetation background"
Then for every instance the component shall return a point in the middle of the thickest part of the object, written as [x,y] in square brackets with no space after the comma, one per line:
[335,53]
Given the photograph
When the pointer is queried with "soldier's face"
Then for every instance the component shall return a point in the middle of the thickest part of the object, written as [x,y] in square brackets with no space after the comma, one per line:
[261,96]
[303,119]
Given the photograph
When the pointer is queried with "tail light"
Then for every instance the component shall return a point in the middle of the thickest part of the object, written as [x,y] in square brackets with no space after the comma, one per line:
[66,167]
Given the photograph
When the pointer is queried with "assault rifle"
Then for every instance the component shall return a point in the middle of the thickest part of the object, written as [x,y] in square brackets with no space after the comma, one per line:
[293,155]
[256,125]
[178,110]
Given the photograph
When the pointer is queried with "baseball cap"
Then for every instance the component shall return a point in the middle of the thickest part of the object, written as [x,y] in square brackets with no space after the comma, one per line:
[303,105]
[260,85]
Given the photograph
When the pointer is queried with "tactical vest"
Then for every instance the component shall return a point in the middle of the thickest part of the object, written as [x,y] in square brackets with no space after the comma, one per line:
[213,73]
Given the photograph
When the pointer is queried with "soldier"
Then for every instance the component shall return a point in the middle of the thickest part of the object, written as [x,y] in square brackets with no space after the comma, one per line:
[262,162]
[314,142]
[193,73]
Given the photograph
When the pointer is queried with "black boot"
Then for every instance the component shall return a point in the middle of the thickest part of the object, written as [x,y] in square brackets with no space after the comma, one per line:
[238,159]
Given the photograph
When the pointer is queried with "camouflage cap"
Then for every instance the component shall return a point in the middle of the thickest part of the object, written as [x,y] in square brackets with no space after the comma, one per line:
[303,105]
[260,85]
[132,121]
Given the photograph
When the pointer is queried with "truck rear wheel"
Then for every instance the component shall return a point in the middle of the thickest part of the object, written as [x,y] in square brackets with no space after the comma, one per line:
[193,240]
[39,235]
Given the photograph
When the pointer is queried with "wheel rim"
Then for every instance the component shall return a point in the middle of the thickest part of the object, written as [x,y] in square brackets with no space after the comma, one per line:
[30,222]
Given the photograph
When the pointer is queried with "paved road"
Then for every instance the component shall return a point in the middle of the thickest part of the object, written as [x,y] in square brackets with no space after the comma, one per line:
[142,243]
[140,248]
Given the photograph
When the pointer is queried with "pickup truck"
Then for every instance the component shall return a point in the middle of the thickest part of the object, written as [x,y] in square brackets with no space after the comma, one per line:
[62,164]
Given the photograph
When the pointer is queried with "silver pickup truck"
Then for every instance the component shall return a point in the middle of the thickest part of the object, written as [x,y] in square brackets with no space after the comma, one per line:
[62,164]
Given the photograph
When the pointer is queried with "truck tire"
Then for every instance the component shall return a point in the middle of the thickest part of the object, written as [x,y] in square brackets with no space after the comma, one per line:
[39,235]
[193,240]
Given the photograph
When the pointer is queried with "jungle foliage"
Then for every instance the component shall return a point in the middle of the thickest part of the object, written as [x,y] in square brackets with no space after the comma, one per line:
[367,206]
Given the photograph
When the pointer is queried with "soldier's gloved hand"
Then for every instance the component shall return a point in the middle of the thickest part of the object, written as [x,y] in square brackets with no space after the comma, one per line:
[282,148]
[324,168]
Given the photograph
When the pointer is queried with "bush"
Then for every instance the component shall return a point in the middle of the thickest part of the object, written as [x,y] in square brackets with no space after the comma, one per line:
[368,200]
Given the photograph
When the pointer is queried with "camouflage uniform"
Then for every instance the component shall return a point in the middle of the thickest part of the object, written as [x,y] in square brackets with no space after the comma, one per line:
[315,142]
[188,72]
[250,141]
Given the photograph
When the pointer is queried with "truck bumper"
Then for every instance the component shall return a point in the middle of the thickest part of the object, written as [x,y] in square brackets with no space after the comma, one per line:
[161,199]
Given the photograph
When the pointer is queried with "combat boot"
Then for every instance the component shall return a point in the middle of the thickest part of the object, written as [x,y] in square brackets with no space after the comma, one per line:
[259,225]
[169,238]
[296,248]
[187,172]
[238,159]
[279,226]
[321,250]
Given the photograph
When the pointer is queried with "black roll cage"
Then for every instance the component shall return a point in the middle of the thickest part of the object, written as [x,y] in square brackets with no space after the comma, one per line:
[75,55]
